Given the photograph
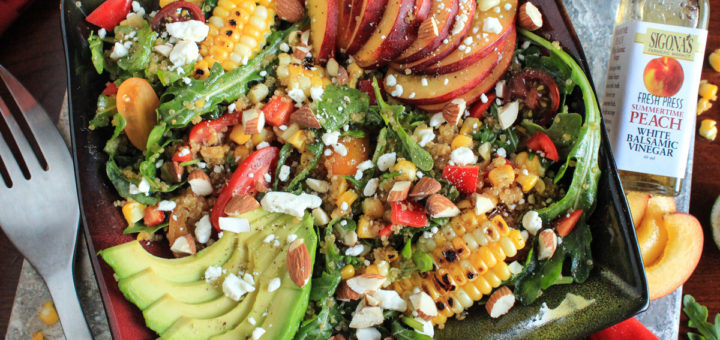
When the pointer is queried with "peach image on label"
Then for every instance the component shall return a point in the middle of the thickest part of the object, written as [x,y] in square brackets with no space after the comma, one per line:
[663,77]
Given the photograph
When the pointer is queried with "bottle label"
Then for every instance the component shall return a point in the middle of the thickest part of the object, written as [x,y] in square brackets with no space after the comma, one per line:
[651,89]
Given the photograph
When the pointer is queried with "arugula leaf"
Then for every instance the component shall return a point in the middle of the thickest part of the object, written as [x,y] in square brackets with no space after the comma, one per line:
[317,150]
[139,227]
[106,109]
[96,52]
[282,159]
[399,332]
[698,315]
[138,57]
[338,104]
[122,184]
[390,114]
[180,104]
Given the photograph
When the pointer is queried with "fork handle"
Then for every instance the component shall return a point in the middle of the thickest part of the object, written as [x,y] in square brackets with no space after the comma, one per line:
[64,295]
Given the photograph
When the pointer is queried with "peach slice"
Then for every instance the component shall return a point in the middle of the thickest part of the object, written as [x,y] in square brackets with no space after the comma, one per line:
[651,236]
[346,23]
[680,256]
[638,202]
[365,16]
[432,30]
[323,27]
[421,12]
[393,34]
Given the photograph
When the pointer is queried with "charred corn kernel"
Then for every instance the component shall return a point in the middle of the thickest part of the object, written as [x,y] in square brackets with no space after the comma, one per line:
[708,129]
[365,228]
[527,182]
[258,93]
[133,212]
[48,315]
[164,3]
[714,60]
[408,171]
[703,105]
[460,141]
[707,90]
[347,272]
[38,336]
[238,135]
[238,29]
[373,207]
[529,162]
[344,203]
[502,176]
[470,125]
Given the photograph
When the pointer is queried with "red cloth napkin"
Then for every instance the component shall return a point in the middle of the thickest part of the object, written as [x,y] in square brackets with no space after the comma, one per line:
[9,11]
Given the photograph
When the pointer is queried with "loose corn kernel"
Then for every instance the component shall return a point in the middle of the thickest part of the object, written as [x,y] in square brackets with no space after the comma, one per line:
[266,135]
[48,315]
[708,129]
[527,182]
[38,336]
[238,135]
[460,141]
[714,60]
[344,203]
[703,105]
[529,162]
[365,228]
[502,176]
[408,171]
[258,93]
[241,152]
[707,90]
[373,207]
[470,125]
[371,269]
[347,272]
[133,212]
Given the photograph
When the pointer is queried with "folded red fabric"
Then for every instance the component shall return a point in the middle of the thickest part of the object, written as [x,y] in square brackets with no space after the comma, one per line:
[9,11]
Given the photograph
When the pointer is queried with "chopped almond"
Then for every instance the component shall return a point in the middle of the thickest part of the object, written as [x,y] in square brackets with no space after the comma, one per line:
[290,10]
[530,17]
[424,305]
[366,283]
[200,183]
[253,121]
[399,191]
[344,292]
[299,262]
[305,117]
[425,187]
[440,206]
[500,302]
[184,245]
[239,205]
[366,317]
[548,243]
[453,111]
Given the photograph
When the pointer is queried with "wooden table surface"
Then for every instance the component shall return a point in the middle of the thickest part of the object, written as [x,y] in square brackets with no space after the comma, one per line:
[32,50]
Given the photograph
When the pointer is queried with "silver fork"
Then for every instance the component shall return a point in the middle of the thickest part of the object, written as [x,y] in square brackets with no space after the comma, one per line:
[39,209]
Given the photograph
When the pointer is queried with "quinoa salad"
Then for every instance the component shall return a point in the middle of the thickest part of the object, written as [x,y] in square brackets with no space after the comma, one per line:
[342,169]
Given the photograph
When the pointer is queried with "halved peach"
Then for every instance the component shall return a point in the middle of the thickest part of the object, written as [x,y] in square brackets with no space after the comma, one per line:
[652,238]
[461,26]
[393,34]
[480,43]
[680,256]
[323,27]
[432,30]
[365,15]
[638,202]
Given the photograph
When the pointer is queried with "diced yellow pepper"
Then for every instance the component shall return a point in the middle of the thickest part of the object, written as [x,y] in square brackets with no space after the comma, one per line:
[502,176]
[714,60]
[527,182]
[133,212]
[297,140]
[366,229]
[460,141]
[708,91]
[708,129]
[48,314]
[238,135]
[703,105]
[470,125]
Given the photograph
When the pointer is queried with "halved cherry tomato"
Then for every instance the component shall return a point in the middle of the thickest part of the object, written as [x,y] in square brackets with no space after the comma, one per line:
[408,213]
[177,11]
[277,111]
[248,176]
[110,13]
[628,329]
[542,143]
[136,102]
[386,231]
[479,109]
[538,92]
[205,131]
[153,216]
[110,89]
[564,225]
[182,154]
[463,177]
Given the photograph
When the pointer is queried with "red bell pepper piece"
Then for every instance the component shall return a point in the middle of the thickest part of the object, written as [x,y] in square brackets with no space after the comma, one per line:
[245,179]
[277,111]
[201,132]
[408,213]
[628,329]
[542,143]
[110,89]
[386,231]
[564,225]
[153,216]
[479,109]
[464,177]
[110,13]
[182,154]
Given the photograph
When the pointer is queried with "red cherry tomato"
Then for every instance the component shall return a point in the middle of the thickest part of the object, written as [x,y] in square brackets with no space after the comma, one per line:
[245,180]
[153,216]
[564,225]
[177,11]
[538,92]
[628,329]
[110,89]
[479,109]
[463,177]
[408,213]
[203,132]
[182,154]
[277,111]
[542,143]
[110,13]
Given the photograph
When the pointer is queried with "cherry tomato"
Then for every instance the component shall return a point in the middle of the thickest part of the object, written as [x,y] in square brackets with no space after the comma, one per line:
[177,11]
[564,225]
[136,102]
[110,13]
[206,131]
[277,111]
[538,93]
[542,143]
[110,89]
[479,109]
[153,216]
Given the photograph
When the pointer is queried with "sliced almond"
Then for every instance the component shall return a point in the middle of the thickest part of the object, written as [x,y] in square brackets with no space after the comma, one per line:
[299,262]
[305,117]
[200,183]
[301,51]
[367,317]
[290,10]
[318,185]
[424,305]
[366,283]
[500,302]
[440,206]
[428,29]
[184,245]
[388,299]
[399,191]
[253,121]
[344,292]
[453,111]
[239,205]
[530,17]
[548,244]
[425,187]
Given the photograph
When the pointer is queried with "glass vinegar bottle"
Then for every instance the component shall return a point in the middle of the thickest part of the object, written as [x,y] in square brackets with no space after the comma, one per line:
[650,96]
